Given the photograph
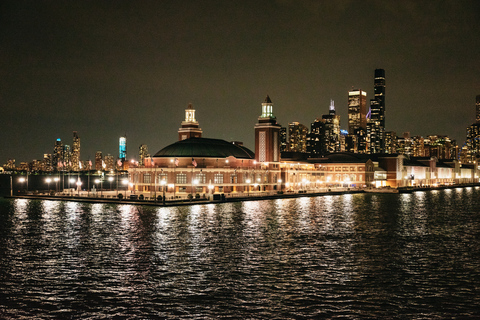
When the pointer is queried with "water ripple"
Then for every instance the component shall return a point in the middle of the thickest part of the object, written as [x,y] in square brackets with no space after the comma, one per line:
[359,256]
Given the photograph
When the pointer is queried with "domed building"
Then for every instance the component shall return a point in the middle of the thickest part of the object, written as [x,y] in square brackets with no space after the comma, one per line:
[197,165]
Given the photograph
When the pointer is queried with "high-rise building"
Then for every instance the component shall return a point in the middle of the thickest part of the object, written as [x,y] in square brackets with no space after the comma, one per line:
[477,107]
[109,162]
[376,115]
[122,148]
[190,127]
[57,158]
[472,148]
[76,152]
[98,161]
[67,158]
[390,142]
[332,129]
[283,139]
[267,134]
[142,153]
[297,137]
[357,110]
[47,162]
[316,138]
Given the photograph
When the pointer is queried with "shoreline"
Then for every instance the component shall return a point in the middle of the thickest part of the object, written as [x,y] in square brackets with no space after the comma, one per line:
[186,202]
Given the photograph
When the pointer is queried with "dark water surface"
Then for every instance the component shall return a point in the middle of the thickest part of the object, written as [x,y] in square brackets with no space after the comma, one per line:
[361,256]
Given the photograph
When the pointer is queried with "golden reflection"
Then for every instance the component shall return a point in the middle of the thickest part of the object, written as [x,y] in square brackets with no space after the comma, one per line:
[20,206]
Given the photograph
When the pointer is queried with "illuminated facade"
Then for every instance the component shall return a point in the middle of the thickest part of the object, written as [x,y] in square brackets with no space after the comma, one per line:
[122,148]
[477,108]
[109,162]
[376,125]
[57,158]
[297,137]
[357,110]
[142,154]
[332,129]
[76,152]
[98,161]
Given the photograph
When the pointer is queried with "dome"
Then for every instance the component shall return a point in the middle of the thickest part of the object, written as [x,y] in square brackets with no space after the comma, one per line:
[205,148]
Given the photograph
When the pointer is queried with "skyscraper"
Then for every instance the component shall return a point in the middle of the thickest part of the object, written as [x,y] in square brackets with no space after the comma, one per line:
[473,136]
[316,138]
[98,161]
[76,152]
[297,137]
[122,148]
[332,129]
[477,106]
[57,158]
[376,127]
[267,134]
[142,153]
[357,110]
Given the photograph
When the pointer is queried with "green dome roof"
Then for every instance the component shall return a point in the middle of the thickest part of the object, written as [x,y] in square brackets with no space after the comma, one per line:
[205,148]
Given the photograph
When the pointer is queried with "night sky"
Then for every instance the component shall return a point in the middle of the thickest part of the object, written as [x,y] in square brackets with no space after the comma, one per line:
[109,68]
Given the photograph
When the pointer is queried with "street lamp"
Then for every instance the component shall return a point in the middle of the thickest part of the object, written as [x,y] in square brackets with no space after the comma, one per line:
[48,180]
[70,181]
[79,183]
[163,183]
[96,181]
[248,186]
[125,182]
[56,179]
[111,179]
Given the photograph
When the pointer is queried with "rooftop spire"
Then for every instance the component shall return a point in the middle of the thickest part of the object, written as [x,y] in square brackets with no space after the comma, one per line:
[267,100]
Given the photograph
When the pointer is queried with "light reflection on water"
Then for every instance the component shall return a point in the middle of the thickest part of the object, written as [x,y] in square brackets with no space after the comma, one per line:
[411,256]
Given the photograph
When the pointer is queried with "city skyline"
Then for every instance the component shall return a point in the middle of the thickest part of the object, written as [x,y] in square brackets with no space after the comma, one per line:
[106,70]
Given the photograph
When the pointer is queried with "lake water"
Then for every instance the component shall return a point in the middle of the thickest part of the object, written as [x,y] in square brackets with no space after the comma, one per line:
[357,256]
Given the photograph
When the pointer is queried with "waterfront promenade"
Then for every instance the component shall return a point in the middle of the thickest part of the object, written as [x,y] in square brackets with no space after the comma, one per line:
[171,199]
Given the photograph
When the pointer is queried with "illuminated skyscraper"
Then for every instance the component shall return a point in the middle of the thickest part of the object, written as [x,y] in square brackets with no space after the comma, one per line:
[76,152]
[109,162]
[332,129]
[297,137]
[316,138]
[473,136]
[98,161]
[67,158]
[57,158]
[357,110]
[376,127]
[142,153]
[122,148]
[477,106]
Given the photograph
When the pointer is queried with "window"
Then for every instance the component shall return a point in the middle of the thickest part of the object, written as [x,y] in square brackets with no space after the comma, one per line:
[218,178]
[163,177]
[201,178]
[147,178]
[181,178]
[233,178]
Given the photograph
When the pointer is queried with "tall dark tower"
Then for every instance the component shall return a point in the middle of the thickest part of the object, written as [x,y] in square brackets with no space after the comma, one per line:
[377,114]
[477,106]
[267,135]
